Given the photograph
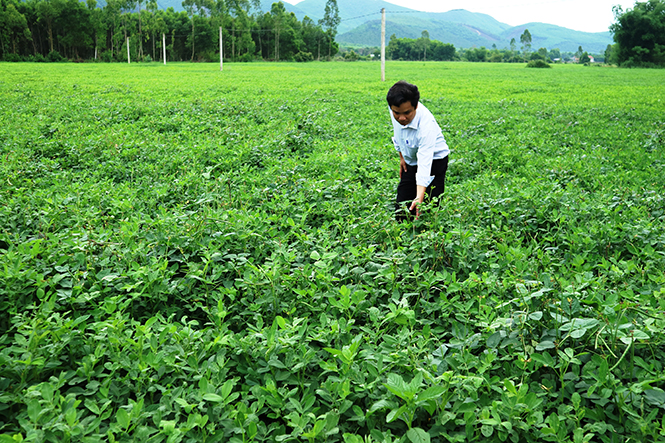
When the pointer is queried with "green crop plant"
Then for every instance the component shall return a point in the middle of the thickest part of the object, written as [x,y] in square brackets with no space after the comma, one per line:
[195,255]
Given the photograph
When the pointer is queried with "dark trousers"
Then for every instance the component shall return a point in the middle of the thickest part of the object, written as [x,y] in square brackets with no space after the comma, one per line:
[407,190]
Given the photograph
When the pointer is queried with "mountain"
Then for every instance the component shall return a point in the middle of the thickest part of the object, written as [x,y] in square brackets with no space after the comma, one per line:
[361,25]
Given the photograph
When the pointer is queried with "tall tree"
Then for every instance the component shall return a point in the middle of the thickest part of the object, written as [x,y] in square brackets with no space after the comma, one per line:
[525,39]
[193,8]
[112,12]
[610,54]
[95,23]
[48,11]
[17,25]
[330,22]
[639,34]
[278,11]
[423,43]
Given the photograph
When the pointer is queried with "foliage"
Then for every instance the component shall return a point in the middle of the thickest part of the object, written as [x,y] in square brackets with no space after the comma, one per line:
[330,22]
[526,40]
[303,57]
[351,56]
[415,49]
[538,63]
[54,57]
[639,34]
[195,255]
[78,31]
[611,54]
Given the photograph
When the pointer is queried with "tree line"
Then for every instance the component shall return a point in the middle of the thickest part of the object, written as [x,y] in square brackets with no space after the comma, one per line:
[639,35]
[423,49]
[50,30]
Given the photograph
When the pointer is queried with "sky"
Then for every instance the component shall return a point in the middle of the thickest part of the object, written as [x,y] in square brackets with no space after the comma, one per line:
[580,15]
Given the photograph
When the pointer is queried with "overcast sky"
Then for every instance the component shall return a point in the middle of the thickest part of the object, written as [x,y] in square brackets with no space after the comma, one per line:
[581,15]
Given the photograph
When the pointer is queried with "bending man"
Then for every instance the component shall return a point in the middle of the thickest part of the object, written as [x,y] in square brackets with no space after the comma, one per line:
[423,152]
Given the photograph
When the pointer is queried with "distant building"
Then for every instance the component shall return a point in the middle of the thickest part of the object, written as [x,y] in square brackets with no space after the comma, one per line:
[577,60]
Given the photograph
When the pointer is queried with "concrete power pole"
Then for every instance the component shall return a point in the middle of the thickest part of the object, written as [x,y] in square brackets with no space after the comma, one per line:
[383,44]
[164,47]
[221,51]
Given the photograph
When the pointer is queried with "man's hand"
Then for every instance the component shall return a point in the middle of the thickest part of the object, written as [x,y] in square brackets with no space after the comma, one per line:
[402,165]
[419,199]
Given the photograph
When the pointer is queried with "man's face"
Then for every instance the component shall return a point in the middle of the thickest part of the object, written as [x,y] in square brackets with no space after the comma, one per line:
[404,113]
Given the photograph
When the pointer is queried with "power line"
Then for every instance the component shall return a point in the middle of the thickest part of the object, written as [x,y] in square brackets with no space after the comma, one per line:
[379,12]
[360,16]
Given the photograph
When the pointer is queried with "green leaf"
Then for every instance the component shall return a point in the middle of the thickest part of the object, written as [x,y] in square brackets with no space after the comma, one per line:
[655,397]
[92,406]
[352,438]
[213,397]
[417,435]
[383,404]
[494,340]
[487,431]
[397,386]
[544,359]
[395,414]
[545,344]
[553,421]
[318,427]
[281,322]
[432,392]
[70,417]
[34,408]
[252,430]
[227,387]
[577,333]
[123,418]
[640,335]
[536,315]
[508,384]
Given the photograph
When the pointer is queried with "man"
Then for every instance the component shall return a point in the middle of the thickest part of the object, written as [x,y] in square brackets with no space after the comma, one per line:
[423,152]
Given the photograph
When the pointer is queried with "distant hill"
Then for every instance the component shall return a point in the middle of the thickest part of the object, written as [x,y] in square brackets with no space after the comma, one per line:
[462,28]
[361,25]
[469,35]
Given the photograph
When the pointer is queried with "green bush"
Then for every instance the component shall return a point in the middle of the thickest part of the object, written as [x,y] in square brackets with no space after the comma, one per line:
[247,57]
[106,56]
[54,57]
[303,57]
[13,58]
[351,56]
[538,64]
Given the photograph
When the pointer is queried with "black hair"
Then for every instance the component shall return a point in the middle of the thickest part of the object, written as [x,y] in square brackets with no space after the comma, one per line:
[402,92]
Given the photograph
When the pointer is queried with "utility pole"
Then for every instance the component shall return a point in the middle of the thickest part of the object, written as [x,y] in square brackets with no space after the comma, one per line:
[221,51]
[383,44]
[164,46]
[128,60]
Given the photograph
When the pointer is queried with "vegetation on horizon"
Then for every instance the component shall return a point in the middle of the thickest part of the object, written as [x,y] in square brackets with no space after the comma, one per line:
[50,30]
[639,35]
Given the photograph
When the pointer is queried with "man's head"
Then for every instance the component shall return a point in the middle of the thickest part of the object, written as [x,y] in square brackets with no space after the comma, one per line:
[403,100]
